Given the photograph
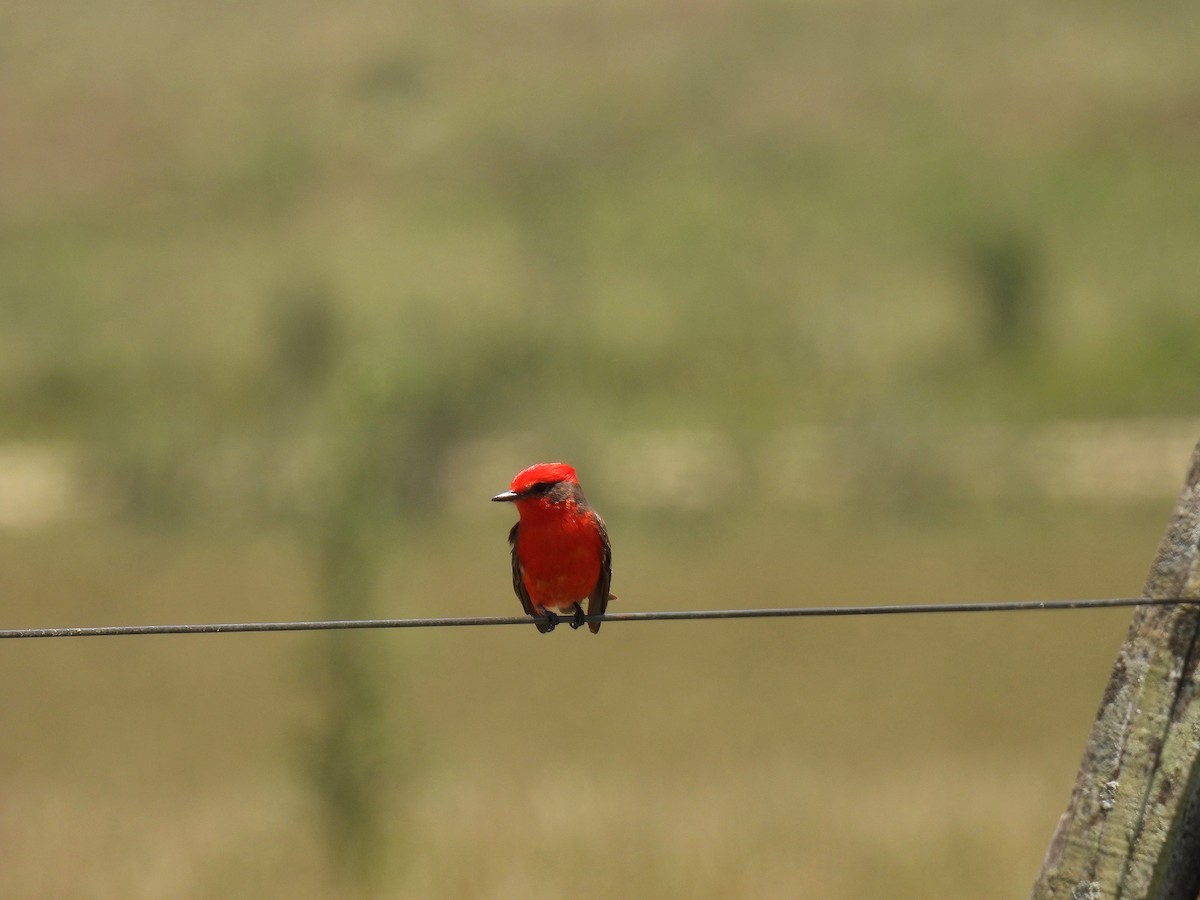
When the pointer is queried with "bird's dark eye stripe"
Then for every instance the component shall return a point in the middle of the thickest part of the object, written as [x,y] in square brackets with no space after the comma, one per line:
[541,487]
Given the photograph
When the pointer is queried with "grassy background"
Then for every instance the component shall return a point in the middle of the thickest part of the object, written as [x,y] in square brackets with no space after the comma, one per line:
[300,285]
[778,211]
[842,758]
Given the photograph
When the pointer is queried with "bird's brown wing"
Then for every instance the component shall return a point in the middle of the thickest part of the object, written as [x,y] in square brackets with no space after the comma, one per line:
[599,597]
[519,582]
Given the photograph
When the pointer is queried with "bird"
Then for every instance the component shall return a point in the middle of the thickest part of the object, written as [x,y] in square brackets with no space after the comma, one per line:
[560,548]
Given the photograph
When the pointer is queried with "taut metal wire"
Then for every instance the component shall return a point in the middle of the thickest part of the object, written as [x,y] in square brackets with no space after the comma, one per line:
[792,612]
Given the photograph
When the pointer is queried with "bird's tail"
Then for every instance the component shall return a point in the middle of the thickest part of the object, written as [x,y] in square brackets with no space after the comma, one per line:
[597,609]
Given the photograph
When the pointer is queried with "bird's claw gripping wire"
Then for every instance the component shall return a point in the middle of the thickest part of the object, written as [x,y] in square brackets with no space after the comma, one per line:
[577,617]
[551,621]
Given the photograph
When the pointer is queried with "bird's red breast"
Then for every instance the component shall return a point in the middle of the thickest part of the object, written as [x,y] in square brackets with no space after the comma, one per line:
[559,550]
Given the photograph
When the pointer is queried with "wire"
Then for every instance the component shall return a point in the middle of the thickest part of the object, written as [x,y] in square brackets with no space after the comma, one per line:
[793,612]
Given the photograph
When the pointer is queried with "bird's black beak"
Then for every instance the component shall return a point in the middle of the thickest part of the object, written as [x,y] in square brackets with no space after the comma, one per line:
[506,497]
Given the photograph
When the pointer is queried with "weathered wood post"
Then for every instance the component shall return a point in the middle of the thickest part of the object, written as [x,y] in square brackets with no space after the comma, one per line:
[1132,826]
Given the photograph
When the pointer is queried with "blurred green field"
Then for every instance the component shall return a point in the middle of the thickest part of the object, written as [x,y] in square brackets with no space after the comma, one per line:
[838,758]
[286,289]
[734,212]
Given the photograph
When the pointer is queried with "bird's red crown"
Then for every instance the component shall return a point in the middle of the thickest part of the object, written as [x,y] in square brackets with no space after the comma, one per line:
[542,473]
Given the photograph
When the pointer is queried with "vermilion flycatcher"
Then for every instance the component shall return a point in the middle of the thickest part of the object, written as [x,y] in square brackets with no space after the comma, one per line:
[560,549]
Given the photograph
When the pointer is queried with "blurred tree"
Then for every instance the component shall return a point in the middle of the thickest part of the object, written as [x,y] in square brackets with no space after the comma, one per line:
[1006,265]
[338,507]
[366,444]
[305,341]
[352,761]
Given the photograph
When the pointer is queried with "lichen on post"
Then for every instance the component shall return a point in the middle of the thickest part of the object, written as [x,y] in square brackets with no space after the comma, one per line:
[1132,826]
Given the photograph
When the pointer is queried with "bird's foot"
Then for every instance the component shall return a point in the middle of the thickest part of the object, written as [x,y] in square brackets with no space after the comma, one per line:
[551,622]
[577,617]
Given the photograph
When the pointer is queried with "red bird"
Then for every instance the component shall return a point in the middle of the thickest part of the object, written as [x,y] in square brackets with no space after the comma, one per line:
[560,549]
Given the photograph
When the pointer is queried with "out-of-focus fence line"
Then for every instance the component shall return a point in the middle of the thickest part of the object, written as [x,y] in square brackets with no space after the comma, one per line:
[806,466]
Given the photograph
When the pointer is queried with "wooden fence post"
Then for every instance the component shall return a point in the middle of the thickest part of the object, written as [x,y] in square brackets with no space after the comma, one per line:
[1132,826]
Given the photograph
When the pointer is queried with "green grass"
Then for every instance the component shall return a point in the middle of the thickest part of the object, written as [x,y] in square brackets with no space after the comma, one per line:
[622,196]
[908,757]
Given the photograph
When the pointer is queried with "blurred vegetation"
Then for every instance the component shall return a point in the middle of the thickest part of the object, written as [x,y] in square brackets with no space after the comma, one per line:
[1006,265]
[746,214]
[351,757]
[300,279]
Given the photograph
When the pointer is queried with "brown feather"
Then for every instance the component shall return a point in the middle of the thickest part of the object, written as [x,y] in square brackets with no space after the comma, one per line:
[599,597]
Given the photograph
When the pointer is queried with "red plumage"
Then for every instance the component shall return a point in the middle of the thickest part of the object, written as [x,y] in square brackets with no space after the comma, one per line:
[560,548]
